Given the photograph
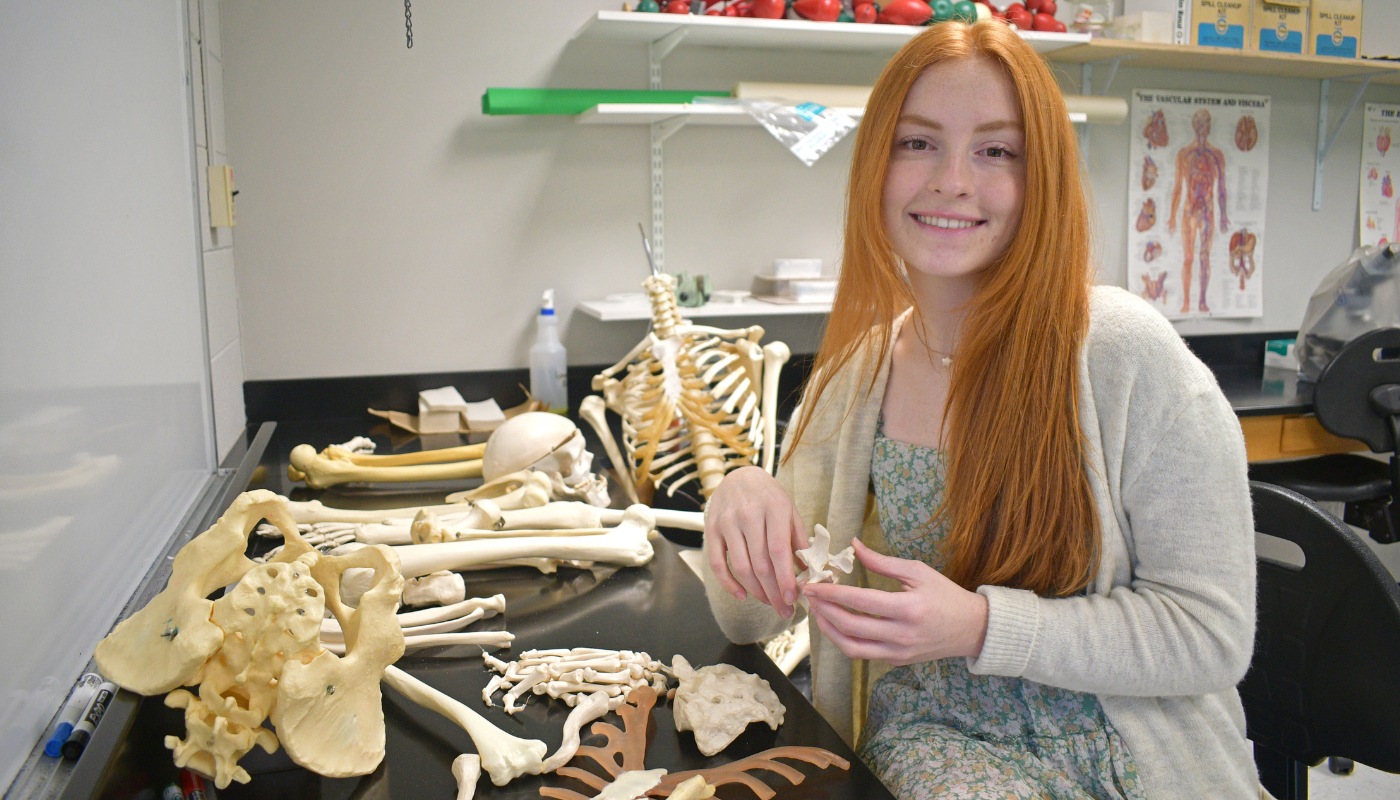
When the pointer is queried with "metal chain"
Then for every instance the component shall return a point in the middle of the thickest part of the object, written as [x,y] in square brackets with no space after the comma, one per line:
[408,21]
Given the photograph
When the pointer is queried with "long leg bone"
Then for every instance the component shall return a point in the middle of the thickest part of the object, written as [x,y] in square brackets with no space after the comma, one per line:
[625,545]
[554,519]
[311,512]
[440,456]
[321,472]
[504,757]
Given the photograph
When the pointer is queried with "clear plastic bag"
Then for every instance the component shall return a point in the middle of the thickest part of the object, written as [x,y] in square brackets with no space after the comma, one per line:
[1360,295]
[809,130]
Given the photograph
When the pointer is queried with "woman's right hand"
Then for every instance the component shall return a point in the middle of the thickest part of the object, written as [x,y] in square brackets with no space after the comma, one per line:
[752,529]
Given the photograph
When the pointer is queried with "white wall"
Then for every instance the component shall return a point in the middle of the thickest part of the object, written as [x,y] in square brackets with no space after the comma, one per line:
[387,226]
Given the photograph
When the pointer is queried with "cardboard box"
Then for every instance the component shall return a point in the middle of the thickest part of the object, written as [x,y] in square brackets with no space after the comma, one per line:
[1220,23]
[1335,28]
[1279,26]
[1144,26]
[1178,12]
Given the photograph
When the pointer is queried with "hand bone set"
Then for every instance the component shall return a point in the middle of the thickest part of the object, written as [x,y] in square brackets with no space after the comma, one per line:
[535,440]
[689,398]
[573,675]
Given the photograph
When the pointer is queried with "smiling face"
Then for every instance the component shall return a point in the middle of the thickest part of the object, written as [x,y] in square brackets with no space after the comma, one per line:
[956,180]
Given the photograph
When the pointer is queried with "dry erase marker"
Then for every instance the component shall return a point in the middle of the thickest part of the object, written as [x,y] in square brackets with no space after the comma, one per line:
[77,701]
[193,785]
[91,716]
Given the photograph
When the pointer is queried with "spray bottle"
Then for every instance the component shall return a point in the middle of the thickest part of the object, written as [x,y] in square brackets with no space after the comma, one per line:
[548,361]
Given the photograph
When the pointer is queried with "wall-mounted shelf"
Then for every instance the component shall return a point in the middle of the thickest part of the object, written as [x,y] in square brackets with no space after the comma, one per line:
[1225,59]
[692,114]
[639,309]
[632,26]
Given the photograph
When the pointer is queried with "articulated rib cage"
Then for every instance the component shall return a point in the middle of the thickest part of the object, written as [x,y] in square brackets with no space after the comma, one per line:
[692,398]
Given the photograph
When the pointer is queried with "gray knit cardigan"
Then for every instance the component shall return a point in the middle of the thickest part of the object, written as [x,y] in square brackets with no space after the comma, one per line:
[1166,629]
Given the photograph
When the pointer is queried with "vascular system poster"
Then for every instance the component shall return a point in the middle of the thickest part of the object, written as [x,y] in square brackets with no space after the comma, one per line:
[1198,170]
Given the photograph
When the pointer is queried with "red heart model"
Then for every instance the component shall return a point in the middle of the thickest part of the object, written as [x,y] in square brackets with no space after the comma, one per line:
[818,10]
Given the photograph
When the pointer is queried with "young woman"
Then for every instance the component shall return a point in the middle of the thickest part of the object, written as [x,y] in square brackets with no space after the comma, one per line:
[1056,590]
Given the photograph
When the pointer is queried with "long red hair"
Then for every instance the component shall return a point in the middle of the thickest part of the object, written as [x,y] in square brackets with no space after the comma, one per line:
[1017,504]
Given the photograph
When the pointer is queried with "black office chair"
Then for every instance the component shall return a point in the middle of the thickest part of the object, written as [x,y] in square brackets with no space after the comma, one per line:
[1357,396]
[1325,678]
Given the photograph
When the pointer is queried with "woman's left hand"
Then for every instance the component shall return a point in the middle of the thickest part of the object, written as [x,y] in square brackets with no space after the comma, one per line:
[932,618]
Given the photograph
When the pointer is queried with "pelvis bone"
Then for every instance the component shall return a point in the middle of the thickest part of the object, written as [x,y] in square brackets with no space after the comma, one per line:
[689,398]
[255,653]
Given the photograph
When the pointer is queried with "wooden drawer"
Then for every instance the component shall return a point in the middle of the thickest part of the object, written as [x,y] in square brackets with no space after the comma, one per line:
[1291,436]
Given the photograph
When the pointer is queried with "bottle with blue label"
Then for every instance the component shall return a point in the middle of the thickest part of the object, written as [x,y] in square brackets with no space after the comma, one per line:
[549,361]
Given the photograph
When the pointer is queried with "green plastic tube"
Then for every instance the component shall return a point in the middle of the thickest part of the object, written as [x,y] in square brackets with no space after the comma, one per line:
[574,101]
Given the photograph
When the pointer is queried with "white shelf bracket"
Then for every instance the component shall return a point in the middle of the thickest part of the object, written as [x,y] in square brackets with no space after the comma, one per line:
[1325,141]
[660,132]
[657,52]
[665,128]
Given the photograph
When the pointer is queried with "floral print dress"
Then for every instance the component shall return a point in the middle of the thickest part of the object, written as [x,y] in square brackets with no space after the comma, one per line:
[934,729]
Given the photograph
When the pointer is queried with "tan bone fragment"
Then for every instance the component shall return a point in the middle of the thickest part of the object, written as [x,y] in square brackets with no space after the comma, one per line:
[466,768]
[718,702]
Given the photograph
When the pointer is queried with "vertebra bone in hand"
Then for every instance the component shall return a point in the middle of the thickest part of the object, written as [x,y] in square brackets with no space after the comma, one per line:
[821,563]
[689,400]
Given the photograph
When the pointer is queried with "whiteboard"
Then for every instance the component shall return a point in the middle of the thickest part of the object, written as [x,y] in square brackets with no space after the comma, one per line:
[105,432]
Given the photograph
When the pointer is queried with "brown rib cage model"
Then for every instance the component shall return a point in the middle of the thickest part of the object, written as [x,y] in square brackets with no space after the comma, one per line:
[625,751]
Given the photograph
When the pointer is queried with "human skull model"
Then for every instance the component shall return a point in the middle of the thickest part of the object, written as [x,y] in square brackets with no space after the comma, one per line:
[550,444]
[718,702]
[255,653]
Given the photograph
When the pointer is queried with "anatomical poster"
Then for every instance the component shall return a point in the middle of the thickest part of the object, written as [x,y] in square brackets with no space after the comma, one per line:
[1198,178]
[1380,169]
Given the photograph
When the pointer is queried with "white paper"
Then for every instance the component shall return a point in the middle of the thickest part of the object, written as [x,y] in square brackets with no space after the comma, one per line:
[445,399]
[1220,199]
[1380,214]
[484,415]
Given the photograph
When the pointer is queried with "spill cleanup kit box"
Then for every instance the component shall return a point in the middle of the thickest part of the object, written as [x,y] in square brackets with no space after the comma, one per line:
[1220,23]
